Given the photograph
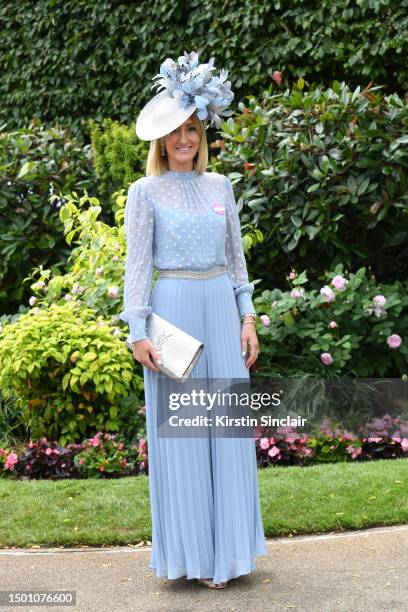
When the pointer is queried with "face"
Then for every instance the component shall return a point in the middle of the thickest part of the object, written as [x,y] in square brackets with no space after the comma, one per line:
[182,145]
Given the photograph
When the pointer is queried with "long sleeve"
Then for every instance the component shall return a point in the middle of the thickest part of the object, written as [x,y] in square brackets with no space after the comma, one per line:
[138,224]
[234,252]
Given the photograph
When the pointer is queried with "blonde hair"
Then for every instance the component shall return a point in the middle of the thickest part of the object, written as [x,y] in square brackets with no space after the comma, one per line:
[157,164]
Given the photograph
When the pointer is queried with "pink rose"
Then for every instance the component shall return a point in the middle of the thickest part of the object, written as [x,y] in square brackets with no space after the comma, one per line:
[404,445]
[333,324]
[328,294]
[265,320]
[326,359]
[394,341]
[292,275]
[339,282]
[48,451]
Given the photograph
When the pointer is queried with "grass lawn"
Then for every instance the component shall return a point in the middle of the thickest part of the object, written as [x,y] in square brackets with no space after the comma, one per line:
[294,500]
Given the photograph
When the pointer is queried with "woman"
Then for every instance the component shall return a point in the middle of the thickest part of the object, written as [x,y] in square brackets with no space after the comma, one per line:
[206,519]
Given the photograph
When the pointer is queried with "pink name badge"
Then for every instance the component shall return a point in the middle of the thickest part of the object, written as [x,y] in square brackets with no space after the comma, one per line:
[218,208]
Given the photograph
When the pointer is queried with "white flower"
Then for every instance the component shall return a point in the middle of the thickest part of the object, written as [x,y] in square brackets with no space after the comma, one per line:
[328,293]
[113,292]
[339,282]
[32,300]
[379,301]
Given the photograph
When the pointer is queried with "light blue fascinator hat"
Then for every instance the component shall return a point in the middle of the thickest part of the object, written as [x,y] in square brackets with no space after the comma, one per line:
[185,86]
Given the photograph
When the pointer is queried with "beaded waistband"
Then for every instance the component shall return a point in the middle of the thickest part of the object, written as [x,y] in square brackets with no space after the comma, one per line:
[194,273]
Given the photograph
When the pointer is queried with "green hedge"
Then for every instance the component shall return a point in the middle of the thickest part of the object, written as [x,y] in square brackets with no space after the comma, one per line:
[66,61]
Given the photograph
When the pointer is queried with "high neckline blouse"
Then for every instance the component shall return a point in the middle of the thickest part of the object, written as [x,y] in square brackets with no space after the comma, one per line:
[181,174]
[180,220]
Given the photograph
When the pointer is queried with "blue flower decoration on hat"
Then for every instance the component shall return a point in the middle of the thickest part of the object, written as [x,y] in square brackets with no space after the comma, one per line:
[194,84]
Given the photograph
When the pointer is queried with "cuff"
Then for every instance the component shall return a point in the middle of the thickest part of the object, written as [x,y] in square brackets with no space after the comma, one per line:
[243,295]
[136,320]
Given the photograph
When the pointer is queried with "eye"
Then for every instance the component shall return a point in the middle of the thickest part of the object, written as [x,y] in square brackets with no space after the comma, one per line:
[191,127]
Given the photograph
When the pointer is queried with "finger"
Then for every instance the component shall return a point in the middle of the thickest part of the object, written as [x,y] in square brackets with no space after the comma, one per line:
[150,365]
[151,362]
[244,345]
[253,355]
[156,356]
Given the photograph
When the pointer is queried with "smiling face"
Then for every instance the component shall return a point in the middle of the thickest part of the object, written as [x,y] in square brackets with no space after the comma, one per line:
[182,145]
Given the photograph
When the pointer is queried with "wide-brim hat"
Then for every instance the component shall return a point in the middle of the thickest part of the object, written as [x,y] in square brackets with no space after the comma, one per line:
[161,115]
[186,86]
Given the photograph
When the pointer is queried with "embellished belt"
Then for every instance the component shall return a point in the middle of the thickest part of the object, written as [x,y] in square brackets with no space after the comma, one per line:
[194,273]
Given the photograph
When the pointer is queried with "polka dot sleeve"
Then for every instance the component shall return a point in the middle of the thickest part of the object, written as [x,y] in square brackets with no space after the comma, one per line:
[243,289]
[138,225]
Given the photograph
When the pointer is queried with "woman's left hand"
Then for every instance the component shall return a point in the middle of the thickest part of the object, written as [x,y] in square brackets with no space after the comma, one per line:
[249,341]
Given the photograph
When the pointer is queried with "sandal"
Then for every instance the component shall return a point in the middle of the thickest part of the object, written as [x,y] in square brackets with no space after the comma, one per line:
[210,584]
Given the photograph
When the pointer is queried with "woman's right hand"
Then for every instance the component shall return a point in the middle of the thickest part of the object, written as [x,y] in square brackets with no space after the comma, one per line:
[145,353]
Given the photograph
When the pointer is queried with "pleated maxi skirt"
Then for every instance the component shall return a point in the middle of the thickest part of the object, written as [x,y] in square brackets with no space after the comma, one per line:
[204,498]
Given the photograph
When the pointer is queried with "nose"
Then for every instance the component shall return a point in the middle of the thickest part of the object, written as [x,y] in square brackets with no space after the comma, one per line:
[183,135]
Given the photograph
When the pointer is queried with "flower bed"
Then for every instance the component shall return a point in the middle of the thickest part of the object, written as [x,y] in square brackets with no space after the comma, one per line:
[105,455]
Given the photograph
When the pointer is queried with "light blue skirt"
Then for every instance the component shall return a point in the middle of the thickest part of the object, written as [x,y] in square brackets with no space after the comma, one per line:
[206,519]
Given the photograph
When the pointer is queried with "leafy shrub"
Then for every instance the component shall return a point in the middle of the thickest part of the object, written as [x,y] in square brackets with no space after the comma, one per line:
[35,163]
[322,173]
[350,327]
[119,156]
[95,270]
[70,371]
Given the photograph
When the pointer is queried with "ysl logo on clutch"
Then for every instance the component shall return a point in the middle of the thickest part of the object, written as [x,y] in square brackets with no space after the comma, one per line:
[162,339]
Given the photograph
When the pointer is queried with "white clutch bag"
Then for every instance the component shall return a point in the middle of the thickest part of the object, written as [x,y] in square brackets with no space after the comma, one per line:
[179,351]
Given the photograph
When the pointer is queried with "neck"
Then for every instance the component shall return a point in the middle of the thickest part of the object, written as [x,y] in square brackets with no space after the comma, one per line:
[174,167]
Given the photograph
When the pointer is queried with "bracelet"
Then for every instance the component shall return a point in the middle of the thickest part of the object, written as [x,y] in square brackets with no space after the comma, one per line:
[248,323]
[253,316]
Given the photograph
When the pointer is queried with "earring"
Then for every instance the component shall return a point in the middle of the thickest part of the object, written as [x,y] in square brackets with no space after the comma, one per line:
[163,152]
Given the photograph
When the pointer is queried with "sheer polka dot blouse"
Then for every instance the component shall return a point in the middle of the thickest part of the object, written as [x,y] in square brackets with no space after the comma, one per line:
[180,220]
